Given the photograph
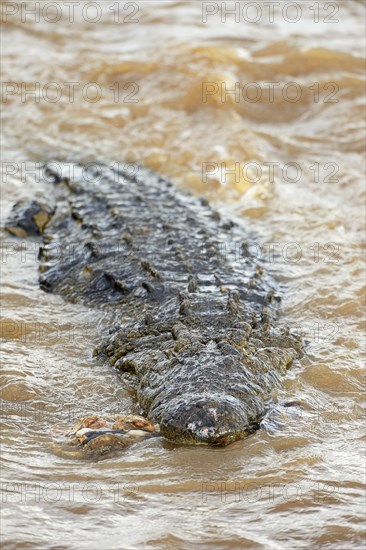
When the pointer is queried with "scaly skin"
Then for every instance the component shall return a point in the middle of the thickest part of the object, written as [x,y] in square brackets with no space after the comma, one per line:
[196,329]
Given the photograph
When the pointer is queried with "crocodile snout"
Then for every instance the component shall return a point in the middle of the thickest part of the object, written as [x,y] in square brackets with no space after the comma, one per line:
[212,420]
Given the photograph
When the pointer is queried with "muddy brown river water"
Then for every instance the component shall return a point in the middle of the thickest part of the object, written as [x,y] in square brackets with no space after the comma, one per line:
[259,107]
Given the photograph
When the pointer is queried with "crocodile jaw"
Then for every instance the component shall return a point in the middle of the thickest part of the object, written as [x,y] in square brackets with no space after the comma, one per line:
[211,420]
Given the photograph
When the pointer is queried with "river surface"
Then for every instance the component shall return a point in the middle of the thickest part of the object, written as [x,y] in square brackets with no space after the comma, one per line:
[150,82]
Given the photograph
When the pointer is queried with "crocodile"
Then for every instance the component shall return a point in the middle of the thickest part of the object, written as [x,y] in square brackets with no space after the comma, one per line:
[195,328]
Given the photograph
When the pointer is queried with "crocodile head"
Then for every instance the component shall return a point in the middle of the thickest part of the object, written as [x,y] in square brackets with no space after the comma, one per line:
[211,394]
[213,420]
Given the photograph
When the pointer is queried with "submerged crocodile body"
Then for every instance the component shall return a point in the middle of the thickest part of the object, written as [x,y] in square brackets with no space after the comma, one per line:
[197,330]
